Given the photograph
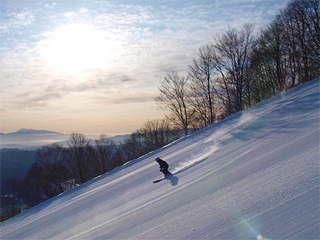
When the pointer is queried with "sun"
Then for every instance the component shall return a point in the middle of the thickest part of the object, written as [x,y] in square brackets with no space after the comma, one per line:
[78,47]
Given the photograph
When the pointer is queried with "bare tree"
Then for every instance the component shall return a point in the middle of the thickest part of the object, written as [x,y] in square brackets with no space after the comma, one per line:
[82,155]
[202,86]
[52,159]
[157,133]
[132,147]
[231,54]
[174,98]
[302,30]
[288,51]
[268,63]
[106,150]
[36,189]
[153,135]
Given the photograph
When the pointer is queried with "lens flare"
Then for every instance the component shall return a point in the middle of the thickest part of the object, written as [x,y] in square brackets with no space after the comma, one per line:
[259,237]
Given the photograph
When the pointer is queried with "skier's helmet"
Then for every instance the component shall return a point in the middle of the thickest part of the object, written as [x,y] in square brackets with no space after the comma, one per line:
[157,159]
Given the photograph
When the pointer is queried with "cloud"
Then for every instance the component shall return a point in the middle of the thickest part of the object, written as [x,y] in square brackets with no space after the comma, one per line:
[118,56]
[70,14]
[16,20]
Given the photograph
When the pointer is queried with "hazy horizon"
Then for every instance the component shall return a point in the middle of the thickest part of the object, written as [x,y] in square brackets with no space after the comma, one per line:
[51,131]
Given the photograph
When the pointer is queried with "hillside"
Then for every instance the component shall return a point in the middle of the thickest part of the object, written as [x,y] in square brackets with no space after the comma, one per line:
[254,174]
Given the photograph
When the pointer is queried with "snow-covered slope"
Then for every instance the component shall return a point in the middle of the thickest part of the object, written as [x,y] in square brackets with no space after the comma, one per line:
[253,175]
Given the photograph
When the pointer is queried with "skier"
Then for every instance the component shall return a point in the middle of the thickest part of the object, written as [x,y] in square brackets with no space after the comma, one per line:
[163,166]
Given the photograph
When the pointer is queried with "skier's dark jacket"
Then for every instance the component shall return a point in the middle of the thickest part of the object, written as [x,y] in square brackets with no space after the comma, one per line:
[163,165]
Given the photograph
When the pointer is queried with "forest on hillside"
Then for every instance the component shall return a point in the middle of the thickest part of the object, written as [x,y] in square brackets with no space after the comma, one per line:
[235,71]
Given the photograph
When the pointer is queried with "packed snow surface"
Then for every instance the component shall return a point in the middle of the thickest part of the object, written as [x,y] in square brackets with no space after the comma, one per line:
[254,175]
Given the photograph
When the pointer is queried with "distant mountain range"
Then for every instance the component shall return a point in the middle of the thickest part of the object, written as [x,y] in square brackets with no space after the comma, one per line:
[30,131]
[31,139]
[18,149]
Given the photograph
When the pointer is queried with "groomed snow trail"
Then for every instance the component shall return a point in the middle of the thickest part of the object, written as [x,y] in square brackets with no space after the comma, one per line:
[255,174]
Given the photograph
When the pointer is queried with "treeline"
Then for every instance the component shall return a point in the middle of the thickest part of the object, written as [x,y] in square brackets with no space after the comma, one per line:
[58,168]
[238,69]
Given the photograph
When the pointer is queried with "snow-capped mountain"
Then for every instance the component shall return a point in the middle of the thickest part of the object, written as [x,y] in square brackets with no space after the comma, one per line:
[254,175]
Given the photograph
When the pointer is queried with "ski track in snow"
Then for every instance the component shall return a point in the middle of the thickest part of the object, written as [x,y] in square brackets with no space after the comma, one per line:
[256,173]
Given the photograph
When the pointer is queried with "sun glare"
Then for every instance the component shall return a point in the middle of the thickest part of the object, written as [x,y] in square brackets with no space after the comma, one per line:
[78,47]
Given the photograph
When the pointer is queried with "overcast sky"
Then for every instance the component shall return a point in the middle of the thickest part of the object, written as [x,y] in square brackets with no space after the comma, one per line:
[93,66]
